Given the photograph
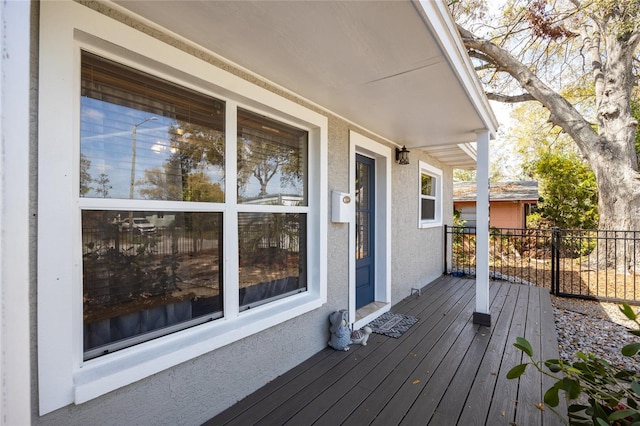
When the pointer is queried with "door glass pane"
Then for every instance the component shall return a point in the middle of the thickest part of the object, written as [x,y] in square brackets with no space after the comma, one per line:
[272,161]
[145,138]
[363,212]
[362,234]
[362,186]
[146,273]
[273,251]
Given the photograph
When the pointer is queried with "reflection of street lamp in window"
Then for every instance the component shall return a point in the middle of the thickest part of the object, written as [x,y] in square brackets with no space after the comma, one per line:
[133,153]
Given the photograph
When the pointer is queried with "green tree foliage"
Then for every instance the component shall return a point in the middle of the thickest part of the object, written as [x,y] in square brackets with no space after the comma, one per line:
[566,183]
[568,190]
[460,175]
[579,60]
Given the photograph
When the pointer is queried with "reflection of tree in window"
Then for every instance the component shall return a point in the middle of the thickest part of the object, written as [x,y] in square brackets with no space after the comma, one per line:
[85,177]
[183,134]
[195,152]
[427,185]
[266,149]
[103,185]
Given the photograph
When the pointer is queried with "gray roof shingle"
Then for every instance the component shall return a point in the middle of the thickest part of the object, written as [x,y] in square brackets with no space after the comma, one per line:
[499,191]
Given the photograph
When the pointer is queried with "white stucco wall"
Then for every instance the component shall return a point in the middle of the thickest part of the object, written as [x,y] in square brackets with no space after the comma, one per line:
[194,391]
[417,252]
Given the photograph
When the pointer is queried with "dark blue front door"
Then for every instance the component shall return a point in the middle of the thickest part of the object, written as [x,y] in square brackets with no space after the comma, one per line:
[365,220]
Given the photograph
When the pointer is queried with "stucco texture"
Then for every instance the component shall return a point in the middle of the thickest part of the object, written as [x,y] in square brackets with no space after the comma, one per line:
[195,391]
[416,252]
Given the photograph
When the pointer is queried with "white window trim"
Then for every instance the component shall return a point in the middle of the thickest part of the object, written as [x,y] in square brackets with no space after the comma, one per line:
[63,377]
[437,174]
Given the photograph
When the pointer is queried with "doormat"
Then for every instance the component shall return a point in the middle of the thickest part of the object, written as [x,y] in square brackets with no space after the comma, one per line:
[392,325]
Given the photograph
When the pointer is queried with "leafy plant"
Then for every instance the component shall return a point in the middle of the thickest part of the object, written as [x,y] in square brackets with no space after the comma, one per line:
[612,393]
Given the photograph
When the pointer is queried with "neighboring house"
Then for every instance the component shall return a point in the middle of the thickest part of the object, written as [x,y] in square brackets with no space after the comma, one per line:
[203,113]
[509,202]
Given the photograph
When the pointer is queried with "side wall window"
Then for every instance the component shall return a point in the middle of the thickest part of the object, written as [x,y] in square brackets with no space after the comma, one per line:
[430,203]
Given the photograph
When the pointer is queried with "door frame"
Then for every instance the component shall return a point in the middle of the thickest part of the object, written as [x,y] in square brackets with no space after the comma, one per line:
[368,261]
[382,154]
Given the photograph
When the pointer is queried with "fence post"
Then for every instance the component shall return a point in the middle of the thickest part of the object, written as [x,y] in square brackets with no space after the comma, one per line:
[445,251]
[555,261]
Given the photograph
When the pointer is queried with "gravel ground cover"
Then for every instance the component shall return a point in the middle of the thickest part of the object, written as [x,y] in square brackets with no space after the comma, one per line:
[597,327]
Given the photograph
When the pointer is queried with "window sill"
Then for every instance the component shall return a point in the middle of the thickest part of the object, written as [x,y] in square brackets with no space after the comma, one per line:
[424,225]
[110,372]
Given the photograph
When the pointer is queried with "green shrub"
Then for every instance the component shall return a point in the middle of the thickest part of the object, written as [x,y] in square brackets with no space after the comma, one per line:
[612,393]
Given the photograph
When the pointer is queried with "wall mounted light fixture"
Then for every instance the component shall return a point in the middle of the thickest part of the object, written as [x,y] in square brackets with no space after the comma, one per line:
[402,155]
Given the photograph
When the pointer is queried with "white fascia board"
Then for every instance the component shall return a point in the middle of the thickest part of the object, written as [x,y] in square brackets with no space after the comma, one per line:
[443,27]
[470,150]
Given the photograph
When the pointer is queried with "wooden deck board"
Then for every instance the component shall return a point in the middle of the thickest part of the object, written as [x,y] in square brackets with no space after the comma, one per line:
[340,391]
[503,402]
[393,354]
[443,370]
[455,396]
[408,384]
[549,351]
[478,401]
[530,385]
[404,361]
[419,400]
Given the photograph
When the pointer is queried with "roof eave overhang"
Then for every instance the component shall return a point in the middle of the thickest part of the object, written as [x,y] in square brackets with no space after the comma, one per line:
[443,26]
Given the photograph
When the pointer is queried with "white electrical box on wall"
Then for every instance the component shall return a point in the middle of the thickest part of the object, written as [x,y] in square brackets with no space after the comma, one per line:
[342,207]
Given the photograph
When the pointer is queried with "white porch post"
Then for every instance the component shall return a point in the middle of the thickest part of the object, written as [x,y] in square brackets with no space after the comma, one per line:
[15,407]
[481,315]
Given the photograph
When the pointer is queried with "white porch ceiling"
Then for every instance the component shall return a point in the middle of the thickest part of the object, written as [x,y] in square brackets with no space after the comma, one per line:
[378,64]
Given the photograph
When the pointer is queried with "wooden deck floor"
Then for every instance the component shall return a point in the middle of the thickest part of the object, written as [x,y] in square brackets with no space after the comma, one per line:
[443,371]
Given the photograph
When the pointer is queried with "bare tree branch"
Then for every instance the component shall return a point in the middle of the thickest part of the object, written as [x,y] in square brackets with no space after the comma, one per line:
[482,57]
[563,113]
[524,97]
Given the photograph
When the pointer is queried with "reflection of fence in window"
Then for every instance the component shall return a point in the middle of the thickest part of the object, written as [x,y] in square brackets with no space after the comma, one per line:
[162,243]
[137,284]
[272,255]
[257,237]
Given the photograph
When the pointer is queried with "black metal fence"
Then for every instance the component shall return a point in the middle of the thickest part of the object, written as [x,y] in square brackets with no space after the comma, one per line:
[588,264]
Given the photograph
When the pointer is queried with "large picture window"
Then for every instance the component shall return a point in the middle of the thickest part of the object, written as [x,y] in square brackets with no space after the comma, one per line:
[147,273]
[181,207]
